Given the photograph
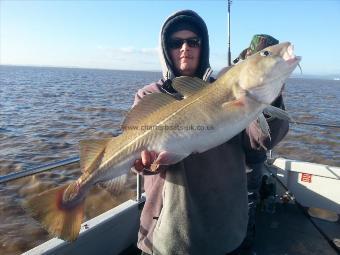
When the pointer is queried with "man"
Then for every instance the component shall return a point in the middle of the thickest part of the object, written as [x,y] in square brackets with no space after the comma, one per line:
[255,158]
[199,205]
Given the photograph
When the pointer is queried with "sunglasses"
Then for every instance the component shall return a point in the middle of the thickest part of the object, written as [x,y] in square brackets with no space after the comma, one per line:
[194,42]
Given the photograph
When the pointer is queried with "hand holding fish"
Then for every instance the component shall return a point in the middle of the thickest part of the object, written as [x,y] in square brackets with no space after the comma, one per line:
[145,163]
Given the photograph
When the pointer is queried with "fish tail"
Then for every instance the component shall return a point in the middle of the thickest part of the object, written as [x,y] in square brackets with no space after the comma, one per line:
[60,219]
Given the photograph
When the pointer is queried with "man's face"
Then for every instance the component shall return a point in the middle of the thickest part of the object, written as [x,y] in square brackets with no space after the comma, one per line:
[185,54]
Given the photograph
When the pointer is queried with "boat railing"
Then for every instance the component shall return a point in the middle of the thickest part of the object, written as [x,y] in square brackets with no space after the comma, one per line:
[53,165]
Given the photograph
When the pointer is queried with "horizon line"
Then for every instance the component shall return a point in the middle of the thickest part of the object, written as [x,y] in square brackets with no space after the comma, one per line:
[337,75]
[79,67]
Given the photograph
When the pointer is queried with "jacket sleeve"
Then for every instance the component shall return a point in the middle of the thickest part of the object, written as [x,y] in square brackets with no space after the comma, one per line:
[148,89]
[278,130]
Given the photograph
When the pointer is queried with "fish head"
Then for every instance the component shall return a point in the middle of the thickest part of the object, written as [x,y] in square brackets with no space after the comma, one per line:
[263,74]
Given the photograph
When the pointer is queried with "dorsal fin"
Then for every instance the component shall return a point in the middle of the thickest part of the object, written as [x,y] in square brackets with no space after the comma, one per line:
[149,103]
[188,85]
[89,152]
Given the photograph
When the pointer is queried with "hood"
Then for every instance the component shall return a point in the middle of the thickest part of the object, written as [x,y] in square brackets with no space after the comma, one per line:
[204,70]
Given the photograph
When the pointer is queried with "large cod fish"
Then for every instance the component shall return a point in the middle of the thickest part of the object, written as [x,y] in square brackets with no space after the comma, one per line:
[207,116]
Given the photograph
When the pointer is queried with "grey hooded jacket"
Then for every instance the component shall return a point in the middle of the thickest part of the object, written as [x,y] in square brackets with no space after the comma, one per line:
[199,205]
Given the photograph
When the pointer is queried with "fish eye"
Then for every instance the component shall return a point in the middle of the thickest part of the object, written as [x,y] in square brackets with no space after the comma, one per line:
[265,53]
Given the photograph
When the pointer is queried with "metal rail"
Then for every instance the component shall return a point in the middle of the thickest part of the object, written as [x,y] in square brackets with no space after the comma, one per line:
[38,169]
[54,165]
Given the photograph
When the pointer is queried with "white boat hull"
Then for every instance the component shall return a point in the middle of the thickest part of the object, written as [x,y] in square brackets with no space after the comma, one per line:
[109,233]
[313,185]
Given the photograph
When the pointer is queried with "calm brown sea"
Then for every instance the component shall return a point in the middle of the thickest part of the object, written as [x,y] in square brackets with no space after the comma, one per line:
[45,112]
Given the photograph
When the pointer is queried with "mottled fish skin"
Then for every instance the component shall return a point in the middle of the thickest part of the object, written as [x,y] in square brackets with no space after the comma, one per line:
[223,108]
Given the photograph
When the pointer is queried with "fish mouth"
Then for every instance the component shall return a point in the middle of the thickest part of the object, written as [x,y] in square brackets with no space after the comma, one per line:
[289,56]
[289,53]
[265,96]
[293,63]
[294,60]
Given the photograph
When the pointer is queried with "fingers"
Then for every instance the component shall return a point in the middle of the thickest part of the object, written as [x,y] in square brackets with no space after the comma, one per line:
[146,158]
[143,162]
[139,165]
[153,156]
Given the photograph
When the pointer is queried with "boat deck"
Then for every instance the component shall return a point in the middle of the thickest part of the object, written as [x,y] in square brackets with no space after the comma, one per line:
[291,231]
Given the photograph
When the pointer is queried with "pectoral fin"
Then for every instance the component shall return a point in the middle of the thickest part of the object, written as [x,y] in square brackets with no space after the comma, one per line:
[234,103]
[166,158]
[263,125]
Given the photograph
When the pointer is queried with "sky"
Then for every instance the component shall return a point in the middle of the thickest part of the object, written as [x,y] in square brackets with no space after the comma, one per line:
[124,35]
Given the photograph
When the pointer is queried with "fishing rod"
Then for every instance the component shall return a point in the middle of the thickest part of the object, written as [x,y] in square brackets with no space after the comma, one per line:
[57,164]
[315,124]
[229,52]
